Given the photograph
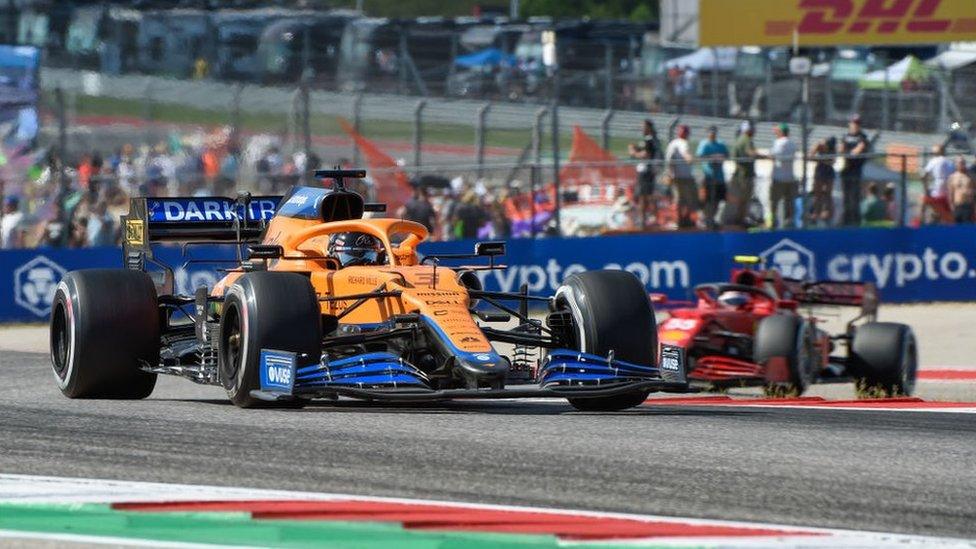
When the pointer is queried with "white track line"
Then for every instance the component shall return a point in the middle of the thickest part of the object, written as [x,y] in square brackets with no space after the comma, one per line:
[14,535]
[26,489]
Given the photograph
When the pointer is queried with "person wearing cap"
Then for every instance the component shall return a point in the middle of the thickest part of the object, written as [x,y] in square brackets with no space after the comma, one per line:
[678,160]
[10,223]
[852,145]
[714,153]
[744,179]
[783,190]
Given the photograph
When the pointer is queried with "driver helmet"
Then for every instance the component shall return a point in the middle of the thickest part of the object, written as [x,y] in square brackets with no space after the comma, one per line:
[355,249]
[733,298]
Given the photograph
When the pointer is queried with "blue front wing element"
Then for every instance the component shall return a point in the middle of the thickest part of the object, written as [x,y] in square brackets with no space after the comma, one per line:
[565,368]
[371,370]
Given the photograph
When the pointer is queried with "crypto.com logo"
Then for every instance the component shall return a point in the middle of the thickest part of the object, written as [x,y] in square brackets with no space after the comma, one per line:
[792,260]
[825,17]
[35,283]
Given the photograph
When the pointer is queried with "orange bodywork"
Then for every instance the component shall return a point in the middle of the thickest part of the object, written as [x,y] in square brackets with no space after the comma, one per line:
[434,293]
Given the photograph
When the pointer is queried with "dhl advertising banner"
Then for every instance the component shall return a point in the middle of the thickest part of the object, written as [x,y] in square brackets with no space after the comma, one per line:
[835,22]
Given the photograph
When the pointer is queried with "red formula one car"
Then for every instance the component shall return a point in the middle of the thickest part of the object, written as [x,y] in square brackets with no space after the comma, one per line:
[760,329]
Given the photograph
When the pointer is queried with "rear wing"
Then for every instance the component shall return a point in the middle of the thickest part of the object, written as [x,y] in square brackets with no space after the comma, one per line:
[839,294]
[187,219]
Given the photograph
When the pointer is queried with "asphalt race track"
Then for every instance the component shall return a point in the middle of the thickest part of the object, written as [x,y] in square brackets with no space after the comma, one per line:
[905,472]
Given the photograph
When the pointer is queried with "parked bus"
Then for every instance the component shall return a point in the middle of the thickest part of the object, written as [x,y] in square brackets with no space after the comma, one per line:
[310,41]
[103,38]
[391,55]
[237,40]
[175,42]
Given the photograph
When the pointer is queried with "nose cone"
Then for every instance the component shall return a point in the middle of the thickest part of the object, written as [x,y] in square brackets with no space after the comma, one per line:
[482,368]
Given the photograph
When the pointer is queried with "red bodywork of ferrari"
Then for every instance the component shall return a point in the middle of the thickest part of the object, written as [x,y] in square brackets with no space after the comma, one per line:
[716,330]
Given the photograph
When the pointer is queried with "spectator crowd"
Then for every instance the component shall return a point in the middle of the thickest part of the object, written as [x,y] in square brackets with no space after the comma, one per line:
[684,183]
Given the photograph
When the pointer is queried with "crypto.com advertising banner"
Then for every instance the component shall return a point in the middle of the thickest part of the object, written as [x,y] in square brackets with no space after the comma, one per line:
[835,22]
[926,264]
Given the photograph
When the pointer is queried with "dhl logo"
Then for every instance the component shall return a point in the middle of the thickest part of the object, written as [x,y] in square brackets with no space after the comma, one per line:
[835,22]
[831,17]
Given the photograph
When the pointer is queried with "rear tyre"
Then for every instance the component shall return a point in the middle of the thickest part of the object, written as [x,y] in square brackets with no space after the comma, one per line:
[884,360]
[611,312]
[787,338]
[266,310]
[105,326]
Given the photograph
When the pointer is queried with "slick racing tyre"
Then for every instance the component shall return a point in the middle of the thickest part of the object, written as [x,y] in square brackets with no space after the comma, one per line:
[787,338]
[884,359]
[611,312]
[265,310]
[104,328]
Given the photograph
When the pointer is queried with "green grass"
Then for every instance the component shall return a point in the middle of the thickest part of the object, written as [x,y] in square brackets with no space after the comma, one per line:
[325,125]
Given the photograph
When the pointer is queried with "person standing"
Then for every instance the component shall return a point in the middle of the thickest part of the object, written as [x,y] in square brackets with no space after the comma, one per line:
[822,208]
[783,186]
[678,158]
[744,179]
[420,210]
[853,146]
[962,193]
[873,208]
[935,177]
[647,152]
[10,223]
[714,153]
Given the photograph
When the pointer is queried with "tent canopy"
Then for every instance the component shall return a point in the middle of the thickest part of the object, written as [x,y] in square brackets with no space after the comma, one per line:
[489,57]
[952,59]
[704,60]
[908,69]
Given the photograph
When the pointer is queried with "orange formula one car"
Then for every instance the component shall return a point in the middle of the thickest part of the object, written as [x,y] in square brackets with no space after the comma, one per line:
[761,329]
[323,303]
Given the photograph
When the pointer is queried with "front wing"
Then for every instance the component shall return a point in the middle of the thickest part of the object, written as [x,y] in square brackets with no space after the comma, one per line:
[387,377]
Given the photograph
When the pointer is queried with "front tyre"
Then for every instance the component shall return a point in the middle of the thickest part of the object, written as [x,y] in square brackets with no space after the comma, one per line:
[884,359]
[105,327]
[266,310]
[785,342]
[611,312]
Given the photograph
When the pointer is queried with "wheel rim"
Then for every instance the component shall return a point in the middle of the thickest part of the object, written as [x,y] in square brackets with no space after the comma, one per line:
[230,345]
[60,340]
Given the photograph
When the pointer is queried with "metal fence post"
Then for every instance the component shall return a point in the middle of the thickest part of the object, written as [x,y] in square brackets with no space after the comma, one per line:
[305,96]
[62,142]
[605,129]
[534,179]
[903,209]
[714,82]
[357,108]
[608,76]
[480,131]
[885,102]
[235,113]
[149,114]
[62,122]
[418,131]
[554,115]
